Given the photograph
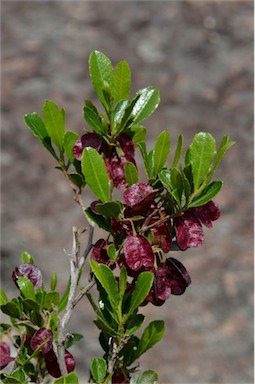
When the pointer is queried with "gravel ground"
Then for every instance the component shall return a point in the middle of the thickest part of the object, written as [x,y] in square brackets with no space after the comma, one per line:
[200,55]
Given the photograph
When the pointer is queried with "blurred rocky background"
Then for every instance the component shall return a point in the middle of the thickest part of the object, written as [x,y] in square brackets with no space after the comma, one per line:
[200,56]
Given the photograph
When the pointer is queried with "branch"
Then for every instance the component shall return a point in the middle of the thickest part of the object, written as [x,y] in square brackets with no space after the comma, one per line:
[76,264]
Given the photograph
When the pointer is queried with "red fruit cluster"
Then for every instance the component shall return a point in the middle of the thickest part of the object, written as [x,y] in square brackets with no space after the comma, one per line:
[188,227]
[45,336]
[5,355]
[40,337]
[52,363]
[30,271]
[144,242]
[115,155]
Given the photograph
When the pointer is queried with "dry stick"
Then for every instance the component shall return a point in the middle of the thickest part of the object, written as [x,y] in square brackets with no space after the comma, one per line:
[76,263]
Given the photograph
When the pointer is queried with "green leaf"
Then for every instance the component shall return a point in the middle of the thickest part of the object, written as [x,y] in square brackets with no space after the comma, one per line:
[111,252]
[106,278]
[202,152]
[142,287]
[12,309]
[101,73]
[99,220]
[71,378]
[98,369]
[27,258]
[161,151]
[131,174]
[30,305]
[5,327]
[138,133]
[72,339]
[17,376]
[224,146]
[143,150]
[100,322]
[92,118]
[118,114]
[178,151]
[146,104]
[54,120]
[121,81]
[134,323]
[69,140]
[53,281]
[95,172]
[77,179]
[152,334]
[122,282]
[51,298]
[148,377]
[3,297]
[150,162]
[165,178]
[109,209]
[37,126]
[208,194]
[26,288]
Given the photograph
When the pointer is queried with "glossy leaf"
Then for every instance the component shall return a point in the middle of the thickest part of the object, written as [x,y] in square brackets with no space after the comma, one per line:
[27,258]
[12,309]
[121,81]
[152,334]
[111,252]
[95,172]
[118,114]
[122,282]
[3,297]
[138,133]
[68,144]
[202,153]
[100,322]
[106,278]
[142,288]
[72,339]
[51,298]
[131,174]
[17,376]
[178,151]
[37,126]
[54,120]
[147,377]
[208,194]
[165,178]
[134,323]
[53,281]
[101,73]
[71,378]
[146,104]
[161,151]
[109,209]
[98,369]
[92,118]
[224,146]
[143,150]
[26,288]
[30,305]
[77,179]
[99,220]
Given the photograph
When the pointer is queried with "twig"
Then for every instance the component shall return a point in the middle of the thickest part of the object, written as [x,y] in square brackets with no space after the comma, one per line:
[76,264]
